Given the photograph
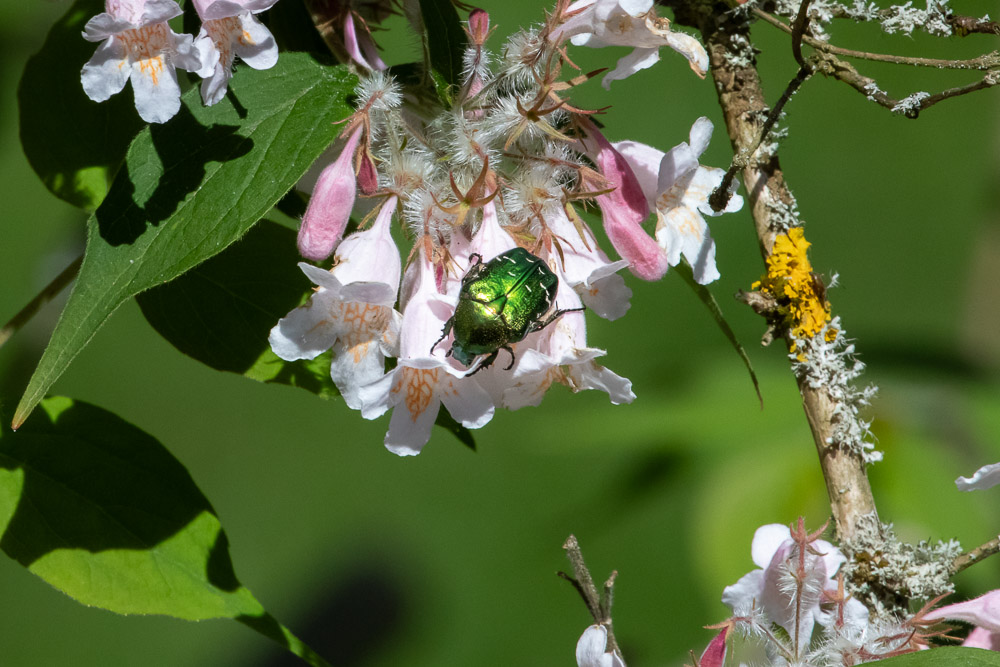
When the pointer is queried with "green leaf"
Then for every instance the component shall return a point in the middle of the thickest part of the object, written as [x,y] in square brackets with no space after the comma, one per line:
[74,144]
[684,271]
[446,40]
[103,512]
[191,187]
[442,89]
[293,27]
[221,311]
[948,656]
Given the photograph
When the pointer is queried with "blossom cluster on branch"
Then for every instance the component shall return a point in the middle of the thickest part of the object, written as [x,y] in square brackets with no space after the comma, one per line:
[507,163]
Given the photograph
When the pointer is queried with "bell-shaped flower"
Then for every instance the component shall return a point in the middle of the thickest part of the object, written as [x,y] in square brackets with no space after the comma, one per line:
[331,204]
[623,208]
[490,239]
[359,44]
[591,649]
[598,23]
[351,311]
[788,588]
[983,612]
[560,354]
[423,378]
[229,29]
[138,45]
[588,270]
[986,477]
[678,188]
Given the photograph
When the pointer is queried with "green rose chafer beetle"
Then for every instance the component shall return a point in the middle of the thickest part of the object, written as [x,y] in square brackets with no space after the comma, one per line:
[501,301]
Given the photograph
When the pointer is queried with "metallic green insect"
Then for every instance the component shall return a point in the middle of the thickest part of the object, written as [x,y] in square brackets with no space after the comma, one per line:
[501,301]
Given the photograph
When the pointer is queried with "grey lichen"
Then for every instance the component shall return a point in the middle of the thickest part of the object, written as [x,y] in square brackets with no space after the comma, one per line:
[828,361]
[885,573]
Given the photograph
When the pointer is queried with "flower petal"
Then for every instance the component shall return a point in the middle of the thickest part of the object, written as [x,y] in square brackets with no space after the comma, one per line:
[256,45]
[766,541]
[983,611]
[416,407]
[590,647]
[985,478]
[107,72]
[628,65]
[157,93]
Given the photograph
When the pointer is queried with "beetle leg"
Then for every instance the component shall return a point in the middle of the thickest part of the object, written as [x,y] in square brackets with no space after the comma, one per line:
[510,351]
[538,325]
[486,363]
[444,334]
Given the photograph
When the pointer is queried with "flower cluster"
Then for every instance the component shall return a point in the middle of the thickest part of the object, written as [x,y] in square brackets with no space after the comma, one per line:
[137,44]
[794,609]
[503,165]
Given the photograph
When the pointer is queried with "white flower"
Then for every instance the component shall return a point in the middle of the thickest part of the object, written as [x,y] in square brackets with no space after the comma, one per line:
[423,379]
[139,45]
[678,188]
[590,649]
[588,270]
[986,477]
[559,353]
[789,586]
[229,29]
[598,23]
[351,312]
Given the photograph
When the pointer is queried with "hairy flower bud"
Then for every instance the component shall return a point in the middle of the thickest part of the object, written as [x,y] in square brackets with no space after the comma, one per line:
[479,26]
[330,206]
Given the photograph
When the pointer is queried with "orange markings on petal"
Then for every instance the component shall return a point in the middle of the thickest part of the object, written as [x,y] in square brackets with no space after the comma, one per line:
[419,388]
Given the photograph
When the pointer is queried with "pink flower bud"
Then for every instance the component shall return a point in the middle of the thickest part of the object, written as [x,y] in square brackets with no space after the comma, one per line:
[623,210]
[715,652]
[479,26]
[330,206]
[367,174]
[360,46]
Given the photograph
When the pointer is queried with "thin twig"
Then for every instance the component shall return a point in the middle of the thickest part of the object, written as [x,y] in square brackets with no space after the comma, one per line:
[599,606]
[720,196]
[974,556]
[48,293]
[798,32]
[968,25]
[987,82]
[830,65]
[982,63]
[962,25]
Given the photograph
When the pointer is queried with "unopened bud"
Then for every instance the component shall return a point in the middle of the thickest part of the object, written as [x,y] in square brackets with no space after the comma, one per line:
[330,206]
[479,26]
[367,174]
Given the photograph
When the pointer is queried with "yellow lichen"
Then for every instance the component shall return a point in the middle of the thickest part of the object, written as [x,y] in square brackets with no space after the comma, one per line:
[791,281]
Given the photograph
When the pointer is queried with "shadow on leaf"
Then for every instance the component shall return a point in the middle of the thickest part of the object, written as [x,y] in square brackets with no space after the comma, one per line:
[102,511]
[177,165]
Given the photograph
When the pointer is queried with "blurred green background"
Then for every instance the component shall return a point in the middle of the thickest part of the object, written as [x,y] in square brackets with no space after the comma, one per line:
[450,558]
